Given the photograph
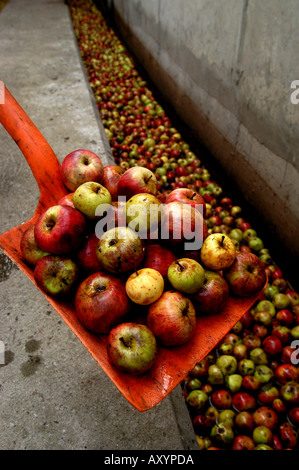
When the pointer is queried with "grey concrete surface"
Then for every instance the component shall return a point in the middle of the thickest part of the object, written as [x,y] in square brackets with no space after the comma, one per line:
[53,393]
[227,69]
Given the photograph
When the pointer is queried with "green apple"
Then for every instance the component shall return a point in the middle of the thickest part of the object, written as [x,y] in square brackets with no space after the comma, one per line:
[88,196]
[120,250]
[186,275]
[236,234]
[256,244]
[266,306]
[132,348]
[197,400]
[144,213]
[248,234]
[227,363]
[280,301]
[234,382]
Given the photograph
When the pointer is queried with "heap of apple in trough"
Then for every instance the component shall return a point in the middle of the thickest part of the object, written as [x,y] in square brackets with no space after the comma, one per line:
[104,243]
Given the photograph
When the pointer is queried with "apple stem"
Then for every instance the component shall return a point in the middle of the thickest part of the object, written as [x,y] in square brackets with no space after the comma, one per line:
[148,178]
[222,240]
[50,223]
[128,345]
[185,311]
[193,195]
[180,266]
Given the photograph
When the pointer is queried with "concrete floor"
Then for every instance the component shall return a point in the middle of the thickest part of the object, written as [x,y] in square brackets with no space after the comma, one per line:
[53,393]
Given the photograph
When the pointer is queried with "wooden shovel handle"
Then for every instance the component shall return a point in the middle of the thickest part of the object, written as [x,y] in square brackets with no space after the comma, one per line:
[39,155]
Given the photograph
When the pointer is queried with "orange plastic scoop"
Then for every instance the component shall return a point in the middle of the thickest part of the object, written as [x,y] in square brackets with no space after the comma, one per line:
[173,364]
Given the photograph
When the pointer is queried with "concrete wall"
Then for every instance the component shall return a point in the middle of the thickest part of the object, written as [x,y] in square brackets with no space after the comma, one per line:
[227,67]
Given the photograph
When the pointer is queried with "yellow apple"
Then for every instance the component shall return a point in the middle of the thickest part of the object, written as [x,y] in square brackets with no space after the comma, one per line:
[217,252]
[145,286]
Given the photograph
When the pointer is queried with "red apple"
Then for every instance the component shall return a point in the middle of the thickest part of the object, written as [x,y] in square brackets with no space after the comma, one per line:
[60,229]
[86,254]
[56,275]
[137,180]
[285,373]
[101,302]
[294,415]
[243,443]
[79,167]
[172,318]
[183,225]
[246,276]
[110,179]
[243,401]
[67,200]
[132,348]
[188,196]
[265,416]
[213,294]
[29,248]
[158,257]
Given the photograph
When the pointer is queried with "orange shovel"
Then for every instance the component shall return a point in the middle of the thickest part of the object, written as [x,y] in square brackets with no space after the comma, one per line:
[173,364]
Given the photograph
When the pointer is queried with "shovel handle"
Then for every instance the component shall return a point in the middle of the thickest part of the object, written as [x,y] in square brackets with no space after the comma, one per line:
[39,155]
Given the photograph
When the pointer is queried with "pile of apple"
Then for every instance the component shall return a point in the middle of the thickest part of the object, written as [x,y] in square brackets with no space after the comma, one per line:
[103,244]
[245,394]
[141,134]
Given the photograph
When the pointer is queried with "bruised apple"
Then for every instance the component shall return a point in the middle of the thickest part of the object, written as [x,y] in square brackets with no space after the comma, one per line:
[120,250]
[56,275]
[29,249]
[132,348]
[101,302]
